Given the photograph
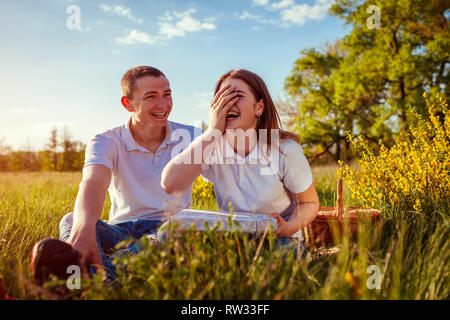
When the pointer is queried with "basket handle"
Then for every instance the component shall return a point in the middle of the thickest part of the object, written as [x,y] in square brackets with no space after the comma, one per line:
[339,202]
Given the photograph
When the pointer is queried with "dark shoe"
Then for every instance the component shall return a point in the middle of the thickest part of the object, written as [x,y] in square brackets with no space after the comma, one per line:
[3,295]
[54,257]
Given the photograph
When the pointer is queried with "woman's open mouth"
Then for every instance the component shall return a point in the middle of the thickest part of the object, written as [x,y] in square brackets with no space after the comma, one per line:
[232,115]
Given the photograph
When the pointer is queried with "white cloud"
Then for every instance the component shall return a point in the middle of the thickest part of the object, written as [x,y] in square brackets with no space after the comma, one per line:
[245,15]
[121,11]
[183,14]
[137,36]
[185,24]
[260,2]
[171,25]
[291,13]
[300,13]
[282,4]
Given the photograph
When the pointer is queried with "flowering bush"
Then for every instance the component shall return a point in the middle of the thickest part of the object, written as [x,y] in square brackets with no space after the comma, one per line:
[413,175]
[202,188]
[203,196]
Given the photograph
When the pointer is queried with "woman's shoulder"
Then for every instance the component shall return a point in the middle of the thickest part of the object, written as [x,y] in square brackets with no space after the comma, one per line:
[289,145]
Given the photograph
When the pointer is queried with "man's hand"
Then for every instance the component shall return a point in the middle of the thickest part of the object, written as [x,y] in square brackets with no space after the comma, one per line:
[88,206]
[284,229]
[86,244]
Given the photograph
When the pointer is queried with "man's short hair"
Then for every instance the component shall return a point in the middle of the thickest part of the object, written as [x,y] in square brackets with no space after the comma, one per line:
[132,75]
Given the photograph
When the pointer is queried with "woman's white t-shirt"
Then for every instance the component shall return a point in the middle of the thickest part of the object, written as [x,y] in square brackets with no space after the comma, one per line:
[257,183]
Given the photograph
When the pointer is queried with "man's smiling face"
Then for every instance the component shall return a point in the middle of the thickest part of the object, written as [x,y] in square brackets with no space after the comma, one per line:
[151,102]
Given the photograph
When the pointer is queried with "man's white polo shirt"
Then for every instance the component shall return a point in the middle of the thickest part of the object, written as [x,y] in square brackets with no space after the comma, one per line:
[135,189]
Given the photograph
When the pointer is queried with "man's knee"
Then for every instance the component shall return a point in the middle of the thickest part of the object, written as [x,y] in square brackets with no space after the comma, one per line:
[66,220]
[65,226]
[162,233]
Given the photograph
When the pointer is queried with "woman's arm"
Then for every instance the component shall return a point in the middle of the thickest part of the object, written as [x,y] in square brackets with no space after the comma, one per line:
[304,213]
[182,170]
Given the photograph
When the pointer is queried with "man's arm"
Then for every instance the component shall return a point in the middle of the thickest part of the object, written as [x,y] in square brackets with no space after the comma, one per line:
[88,207]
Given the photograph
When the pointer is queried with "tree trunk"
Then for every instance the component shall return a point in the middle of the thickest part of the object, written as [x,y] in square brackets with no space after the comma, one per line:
[338,149]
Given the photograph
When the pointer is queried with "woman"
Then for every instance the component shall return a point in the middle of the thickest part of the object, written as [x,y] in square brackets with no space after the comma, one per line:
[243,122]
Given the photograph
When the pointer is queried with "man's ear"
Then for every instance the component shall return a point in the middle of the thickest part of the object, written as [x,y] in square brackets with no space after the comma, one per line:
[259,107]
[126,103]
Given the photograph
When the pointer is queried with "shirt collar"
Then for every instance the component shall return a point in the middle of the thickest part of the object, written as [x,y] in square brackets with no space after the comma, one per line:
[230,153]
[168,139]
[131,144]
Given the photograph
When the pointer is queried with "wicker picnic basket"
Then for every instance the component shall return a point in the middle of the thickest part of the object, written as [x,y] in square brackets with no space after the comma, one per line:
[332,222]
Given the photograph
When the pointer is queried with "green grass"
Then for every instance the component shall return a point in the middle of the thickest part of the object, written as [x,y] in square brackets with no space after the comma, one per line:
[413,256]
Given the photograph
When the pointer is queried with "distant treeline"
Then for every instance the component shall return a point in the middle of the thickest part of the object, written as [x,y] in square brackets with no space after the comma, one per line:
[61,153]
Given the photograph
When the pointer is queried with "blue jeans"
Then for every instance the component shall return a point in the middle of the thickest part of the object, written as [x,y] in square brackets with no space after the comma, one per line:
[109,235]
[295,245]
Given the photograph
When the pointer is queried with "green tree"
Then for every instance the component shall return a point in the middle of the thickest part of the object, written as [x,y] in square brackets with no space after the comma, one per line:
[46,159]
[365,82]
[80,149]
[31,158]
[23,160]
[52,148]
[5,151]
[68,155]
[17,161]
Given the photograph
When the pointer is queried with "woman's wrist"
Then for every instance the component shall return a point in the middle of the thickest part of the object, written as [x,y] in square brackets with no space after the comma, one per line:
[295,221]
[292,227]
[211,136]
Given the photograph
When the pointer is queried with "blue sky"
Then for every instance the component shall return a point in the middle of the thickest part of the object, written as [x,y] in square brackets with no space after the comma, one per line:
[54,76]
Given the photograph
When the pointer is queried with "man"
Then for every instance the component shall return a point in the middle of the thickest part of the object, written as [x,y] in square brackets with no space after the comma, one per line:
[127,161]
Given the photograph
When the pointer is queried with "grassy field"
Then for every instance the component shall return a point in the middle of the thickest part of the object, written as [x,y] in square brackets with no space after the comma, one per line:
[412,257]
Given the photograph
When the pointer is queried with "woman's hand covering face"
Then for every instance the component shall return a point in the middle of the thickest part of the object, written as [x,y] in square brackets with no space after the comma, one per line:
[222,102]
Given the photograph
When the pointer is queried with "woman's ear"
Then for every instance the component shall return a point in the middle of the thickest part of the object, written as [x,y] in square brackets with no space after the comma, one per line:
[259,109]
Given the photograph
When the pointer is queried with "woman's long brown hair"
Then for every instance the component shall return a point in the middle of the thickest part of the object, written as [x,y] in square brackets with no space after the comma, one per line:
[270,118]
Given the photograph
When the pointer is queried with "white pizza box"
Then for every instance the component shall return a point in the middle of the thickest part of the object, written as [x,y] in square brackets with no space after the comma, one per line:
[248,222]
